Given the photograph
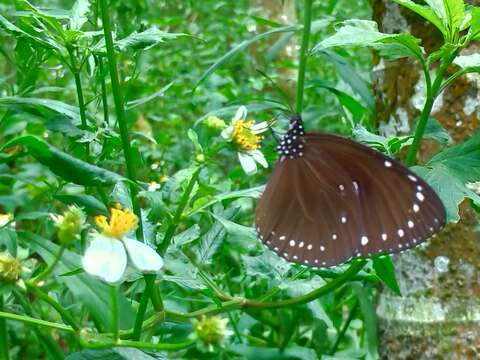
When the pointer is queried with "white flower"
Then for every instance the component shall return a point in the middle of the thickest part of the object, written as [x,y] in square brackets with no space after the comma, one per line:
[244,134]
[107,254]
[5,219]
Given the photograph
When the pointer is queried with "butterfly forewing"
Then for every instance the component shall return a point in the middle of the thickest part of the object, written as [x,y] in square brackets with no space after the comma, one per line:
[341,199]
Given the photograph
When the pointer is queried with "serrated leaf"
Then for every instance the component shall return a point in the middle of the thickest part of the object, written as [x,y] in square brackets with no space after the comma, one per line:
[365,33]
[146,39]
[385,270]
[449,171]
[79,14]
[64,165]
[426,12]
[186,237]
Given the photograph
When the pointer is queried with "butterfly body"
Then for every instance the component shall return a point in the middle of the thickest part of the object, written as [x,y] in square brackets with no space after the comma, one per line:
[330,199]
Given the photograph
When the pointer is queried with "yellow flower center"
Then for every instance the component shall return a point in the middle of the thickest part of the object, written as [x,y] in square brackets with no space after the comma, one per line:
[243,135]
[121,222]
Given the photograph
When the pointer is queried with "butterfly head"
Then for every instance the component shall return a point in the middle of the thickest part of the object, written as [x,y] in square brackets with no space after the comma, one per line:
[291,145]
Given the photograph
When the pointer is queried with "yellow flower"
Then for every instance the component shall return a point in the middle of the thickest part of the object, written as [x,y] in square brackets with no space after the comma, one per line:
[244,137]
[121,222]
[10,268]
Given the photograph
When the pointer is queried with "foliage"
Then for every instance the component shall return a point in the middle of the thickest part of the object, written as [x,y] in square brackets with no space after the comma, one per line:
[73,137]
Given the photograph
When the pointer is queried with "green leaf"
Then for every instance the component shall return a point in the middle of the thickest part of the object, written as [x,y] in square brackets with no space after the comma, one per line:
[249,352]
[90,204]
[387,145]
[252,193]
[118,353]
[66,166]
[357,110]
[369,317]
[351,76]
[138,102]
[234,229]
[186,282]
[91,293]
[54,105]
[79,13]
[449,171]
[474,31]
[435,130]
[188,236]
[365,33]
[385,270]
[425,12]
[239,48]
[146,39]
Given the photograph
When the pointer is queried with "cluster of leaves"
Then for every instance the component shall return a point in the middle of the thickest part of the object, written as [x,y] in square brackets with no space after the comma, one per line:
[61,145]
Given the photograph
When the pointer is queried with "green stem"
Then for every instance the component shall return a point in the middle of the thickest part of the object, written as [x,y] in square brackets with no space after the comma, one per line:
[120,111]
[104,91]
[432,93]
[80,97]
[142,308]
[59,308]
[140,345]
[162,248]
[30,320]
[3,334]
[113,299]
[44,274]
[307,20]
[345,326]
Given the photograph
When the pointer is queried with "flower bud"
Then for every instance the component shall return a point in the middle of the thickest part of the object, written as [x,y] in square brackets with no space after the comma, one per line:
[214,123]
[10,268]
[211,330]
[69,224]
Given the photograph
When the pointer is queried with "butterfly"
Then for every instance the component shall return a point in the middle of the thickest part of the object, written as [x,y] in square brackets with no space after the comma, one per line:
[330,199]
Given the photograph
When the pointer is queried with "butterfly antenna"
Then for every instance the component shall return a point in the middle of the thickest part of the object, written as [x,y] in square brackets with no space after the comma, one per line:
[282,93]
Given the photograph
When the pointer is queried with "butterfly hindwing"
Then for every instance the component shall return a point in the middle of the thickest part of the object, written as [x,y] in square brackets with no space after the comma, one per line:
[341,199]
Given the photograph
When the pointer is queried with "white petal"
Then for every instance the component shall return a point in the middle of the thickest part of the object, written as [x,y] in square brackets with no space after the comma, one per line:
[105,258]
[227,133]
[241,113]
[258,157]
[143,256]
[248,163]
[260,127]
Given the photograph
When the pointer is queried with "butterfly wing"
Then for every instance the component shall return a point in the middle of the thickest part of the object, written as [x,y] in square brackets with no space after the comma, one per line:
[342,199]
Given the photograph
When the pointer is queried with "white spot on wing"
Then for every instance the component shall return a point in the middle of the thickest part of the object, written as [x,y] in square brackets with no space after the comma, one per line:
[300,245]
[384,237]
[322,248]
[420,196]
[410,224]
[282,238]
[334,236]
[292,242]
[388,163]
[400,232]
[413,178]
[416,208]
[343,219]
[310,246]
[364,240]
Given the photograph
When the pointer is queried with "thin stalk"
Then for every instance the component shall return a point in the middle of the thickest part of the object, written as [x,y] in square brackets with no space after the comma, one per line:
[162,248]
[44,274]
[59,308]
[31,320]
[345,326]
[113,299]
[140,345]
[307,21]
[51,346]
[432,94]
[120,111]
[142,308]
[80,97]
[104,91]
[3,334]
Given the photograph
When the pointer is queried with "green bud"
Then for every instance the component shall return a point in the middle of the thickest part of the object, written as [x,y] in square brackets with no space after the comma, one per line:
[211,330]
[10,268]
[214,123]
[69,225]
[200,158]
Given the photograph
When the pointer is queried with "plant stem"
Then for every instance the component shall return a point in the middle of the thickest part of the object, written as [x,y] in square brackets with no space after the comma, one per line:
[141,345]
[149,283]
[307,20]
[59,308]
[113,298]
[30,320]
[432,93]
[120,111]
[104,91]
[345,326]
[80,97]
[162,248]
[3,334]
[50,267]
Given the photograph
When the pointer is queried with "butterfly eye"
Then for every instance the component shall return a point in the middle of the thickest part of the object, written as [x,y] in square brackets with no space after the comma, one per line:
[330,199]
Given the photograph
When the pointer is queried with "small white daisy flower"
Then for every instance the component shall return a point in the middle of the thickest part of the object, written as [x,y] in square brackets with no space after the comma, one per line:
[244,134]
[106,256]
